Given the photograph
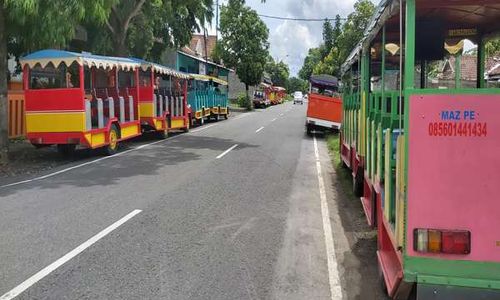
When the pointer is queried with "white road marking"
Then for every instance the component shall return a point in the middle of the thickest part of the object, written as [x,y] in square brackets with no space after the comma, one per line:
[333,272]
[203,128]
[61,261]
[281,115]
[224,153]
[273,119]
[256,131]
[112,156]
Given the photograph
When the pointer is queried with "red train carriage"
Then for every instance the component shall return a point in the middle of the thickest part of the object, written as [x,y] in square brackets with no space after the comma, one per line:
[163,99]
[80,99]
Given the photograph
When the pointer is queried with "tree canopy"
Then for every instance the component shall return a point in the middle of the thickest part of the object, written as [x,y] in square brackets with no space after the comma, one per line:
[38,24]
[244,43]
[278,71]
[146,28]
[338,42]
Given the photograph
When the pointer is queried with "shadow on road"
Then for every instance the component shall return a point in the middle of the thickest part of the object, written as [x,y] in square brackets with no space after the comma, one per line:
[144,161]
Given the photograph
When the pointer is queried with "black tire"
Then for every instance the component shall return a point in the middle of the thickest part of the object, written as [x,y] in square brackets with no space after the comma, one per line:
[40,146]
[113,137]
[357,184]
[309,130]
[226,115]
[161,135]
[66,150]
[188,127]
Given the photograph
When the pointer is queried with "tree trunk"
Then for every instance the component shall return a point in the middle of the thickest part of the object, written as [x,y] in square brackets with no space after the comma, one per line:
[4,134]
[119,40]
[249,102]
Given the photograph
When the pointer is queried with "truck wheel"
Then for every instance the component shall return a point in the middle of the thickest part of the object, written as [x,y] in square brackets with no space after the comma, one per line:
[113,137]
[309,130]
[66,150]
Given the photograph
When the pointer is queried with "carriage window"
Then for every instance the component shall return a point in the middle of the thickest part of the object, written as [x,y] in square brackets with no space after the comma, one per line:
[145,77]
[51,77]
[126,79]
[105,78]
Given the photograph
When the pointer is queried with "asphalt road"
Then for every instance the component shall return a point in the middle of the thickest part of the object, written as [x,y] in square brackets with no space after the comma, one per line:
[232,210]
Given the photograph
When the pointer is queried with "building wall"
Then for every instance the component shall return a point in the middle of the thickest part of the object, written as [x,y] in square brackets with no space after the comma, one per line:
[236,87]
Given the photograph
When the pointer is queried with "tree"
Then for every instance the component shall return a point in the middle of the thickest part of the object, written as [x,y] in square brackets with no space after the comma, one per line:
[312,59]
[145,28]
[244,43]
[278,71]
[328,38]
[297,84]
[338,42]
[37,24]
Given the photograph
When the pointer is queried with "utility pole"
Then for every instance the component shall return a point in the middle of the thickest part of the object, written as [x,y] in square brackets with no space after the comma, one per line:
[217,21]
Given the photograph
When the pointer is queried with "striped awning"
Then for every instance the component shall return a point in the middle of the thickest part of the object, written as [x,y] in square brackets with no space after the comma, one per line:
[201,77]
[56,57]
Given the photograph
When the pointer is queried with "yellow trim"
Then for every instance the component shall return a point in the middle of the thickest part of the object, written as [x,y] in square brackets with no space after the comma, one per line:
[223,110]
[88,138]
[146,109]
[55,122]
[177,123]
[98,139]
[128,131]
[159,124]
[215,110]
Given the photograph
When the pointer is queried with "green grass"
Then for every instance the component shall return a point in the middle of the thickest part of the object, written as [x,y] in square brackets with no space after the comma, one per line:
[343,174]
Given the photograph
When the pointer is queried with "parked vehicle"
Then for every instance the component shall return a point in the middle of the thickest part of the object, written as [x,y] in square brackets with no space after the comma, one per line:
[324,107]
[80,99]
[91,101]
[423,155]
[259,100]
[207,98]
[162,99]
[280,94]
[298,97]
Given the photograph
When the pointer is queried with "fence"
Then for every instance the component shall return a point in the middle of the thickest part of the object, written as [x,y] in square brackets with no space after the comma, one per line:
[16,114]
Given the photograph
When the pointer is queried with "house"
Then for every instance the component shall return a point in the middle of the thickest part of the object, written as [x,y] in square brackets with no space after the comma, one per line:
[468,71]
[197,58]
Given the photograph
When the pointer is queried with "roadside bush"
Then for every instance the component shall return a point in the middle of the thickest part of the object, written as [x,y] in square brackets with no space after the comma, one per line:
[241,100]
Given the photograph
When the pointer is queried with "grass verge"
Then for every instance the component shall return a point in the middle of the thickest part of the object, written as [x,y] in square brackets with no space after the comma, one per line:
[344,174]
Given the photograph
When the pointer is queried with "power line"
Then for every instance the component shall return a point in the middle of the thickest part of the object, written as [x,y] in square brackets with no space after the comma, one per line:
[300,19]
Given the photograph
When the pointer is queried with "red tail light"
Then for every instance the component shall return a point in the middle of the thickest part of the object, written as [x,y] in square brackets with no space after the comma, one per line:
[455,242]
[442,241]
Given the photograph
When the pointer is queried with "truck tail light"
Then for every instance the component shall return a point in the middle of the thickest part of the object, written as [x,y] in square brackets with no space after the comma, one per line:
[441,241]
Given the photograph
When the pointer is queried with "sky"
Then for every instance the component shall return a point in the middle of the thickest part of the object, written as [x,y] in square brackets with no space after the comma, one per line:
[291,40]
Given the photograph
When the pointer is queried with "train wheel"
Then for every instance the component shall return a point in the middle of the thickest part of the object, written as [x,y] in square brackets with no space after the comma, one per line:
[357,184]
[188,125]
[113,137]
[66,150]
[162,134]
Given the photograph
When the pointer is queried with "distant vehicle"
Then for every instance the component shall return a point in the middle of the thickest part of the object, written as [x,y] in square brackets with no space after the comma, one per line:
[324,108]
[298,97]
[260,100]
